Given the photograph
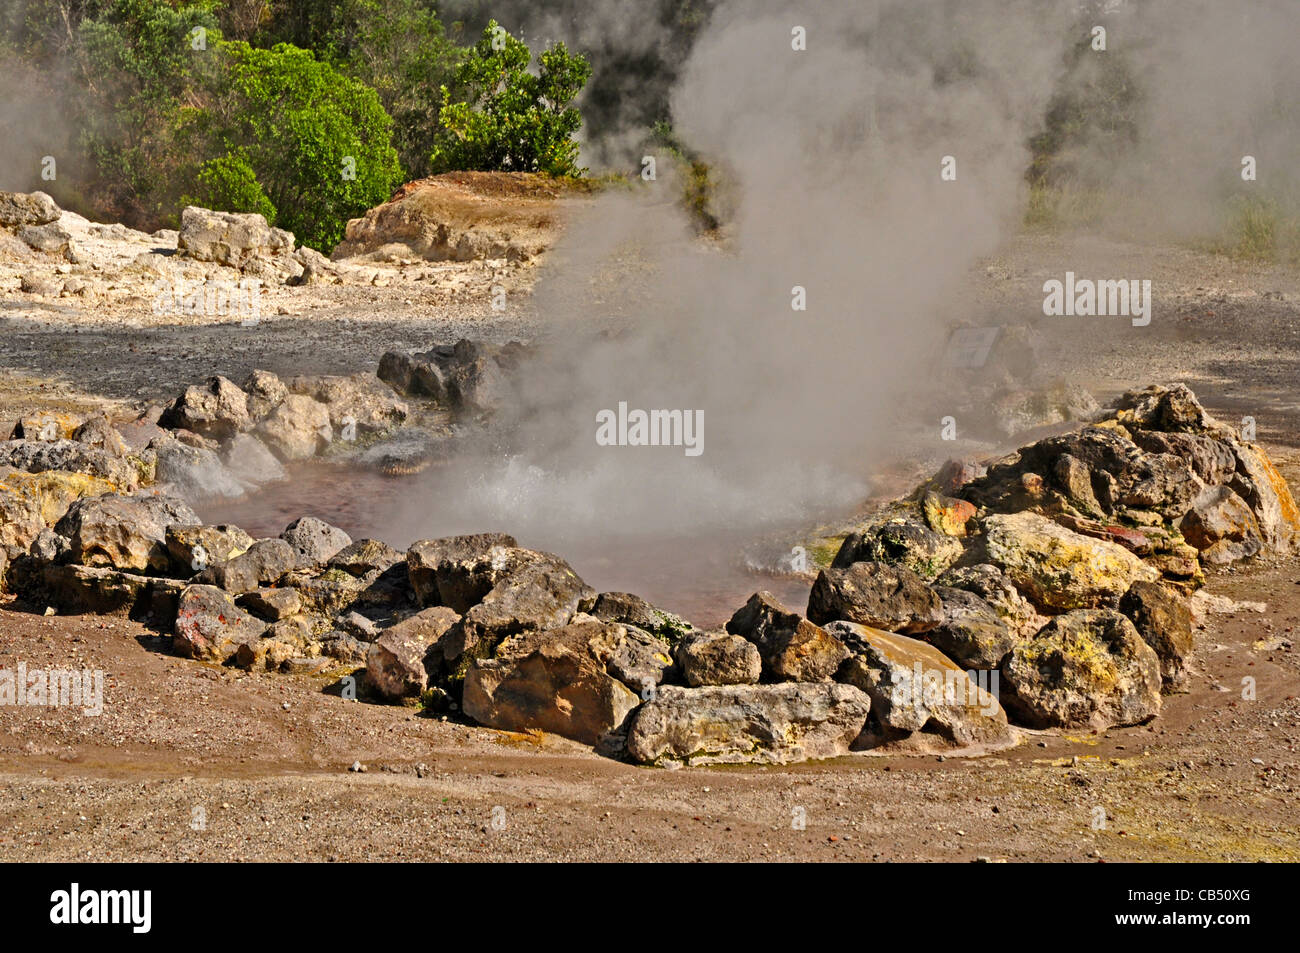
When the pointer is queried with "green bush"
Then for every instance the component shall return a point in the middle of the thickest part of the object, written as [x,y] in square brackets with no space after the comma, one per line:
[317,141]
[703,192]
[228,183]
[137,62]
[1096,109]
[507,118]
[397,47]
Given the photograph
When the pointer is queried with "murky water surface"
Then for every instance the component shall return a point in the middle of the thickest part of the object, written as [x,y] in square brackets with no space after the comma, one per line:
[703,579]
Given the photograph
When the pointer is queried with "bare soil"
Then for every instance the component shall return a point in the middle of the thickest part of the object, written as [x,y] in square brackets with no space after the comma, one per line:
[267,758]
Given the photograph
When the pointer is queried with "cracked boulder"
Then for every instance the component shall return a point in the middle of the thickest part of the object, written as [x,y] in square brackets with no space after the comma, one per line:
[991,584]
[1222,527]
[1164,620]
[458,571]
[545,593]
[914,688]
[792,648]
[1058,569]
[555,681]
[395,666]
[216,409]
[716,658]
[972,633]
[210,627]
[262,564]
[1266,492]
[875,594]
[760,724]
[1087,668]
[123,532]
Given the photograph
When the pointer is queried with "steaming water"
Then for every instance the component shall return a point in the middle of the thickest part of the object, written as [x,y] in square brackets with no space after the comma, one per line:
[699,575]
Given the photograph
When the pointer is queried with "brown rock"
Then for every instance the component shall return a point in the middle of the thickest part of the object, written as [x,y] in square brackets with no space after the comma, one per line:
[875,594]
[554,681]
[395,666]
[792,648]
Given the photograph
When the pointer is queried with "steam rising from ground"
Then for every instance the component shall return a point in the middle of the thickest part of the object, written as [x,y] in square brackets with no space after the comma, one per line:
[835,155]
[1216,82]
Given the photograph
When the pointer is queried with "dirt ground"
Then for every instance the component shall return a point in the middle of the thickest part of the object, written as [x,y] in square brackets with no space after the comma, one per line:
[263,761]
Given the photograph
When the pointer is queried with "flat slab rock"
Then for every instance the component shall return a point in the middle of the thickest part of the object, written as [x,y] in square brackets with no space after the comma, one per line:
[1059,569]
[760,724]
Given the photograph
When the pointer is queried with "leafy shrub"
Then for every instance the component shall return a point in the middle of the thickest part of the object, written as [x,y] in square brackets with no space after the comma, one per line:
[397,47]
[508,118]
[317,141]
[137,62]
[704,195]
[229,183]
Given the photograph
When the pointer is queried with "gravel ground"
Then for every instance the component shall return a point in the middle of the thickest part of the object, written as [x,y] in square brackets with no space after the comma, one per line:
[265,762]
[266,758]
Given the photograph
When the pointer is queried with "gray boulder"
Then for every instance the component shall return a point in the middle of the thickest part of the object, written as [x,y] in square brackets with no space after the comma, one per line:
[195,473]
[459,571]
[714,658]
[972,633]
[237,239]
[271,605]
[314,541]
[1222,527]
[875,594]
[27,208]
[395,661]
[263,564]
[194,548]
[123,532]
[250,462]
[216,409]
[762,724]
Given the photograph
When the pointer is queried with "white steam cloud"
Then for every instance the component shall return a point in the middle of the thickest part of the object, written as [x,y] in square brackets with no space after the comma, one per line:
[835,154]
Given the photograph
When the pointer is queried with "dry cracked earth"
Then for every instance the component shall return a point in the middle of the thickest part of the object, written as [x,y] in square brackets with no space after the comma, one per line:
[195,762]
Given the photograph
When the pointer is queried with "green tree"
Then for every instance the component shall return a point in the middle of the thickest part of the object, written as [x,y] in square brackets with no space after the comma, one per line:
[508,118]
[318,142]
[139,59]
[398,47]
[401,50]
